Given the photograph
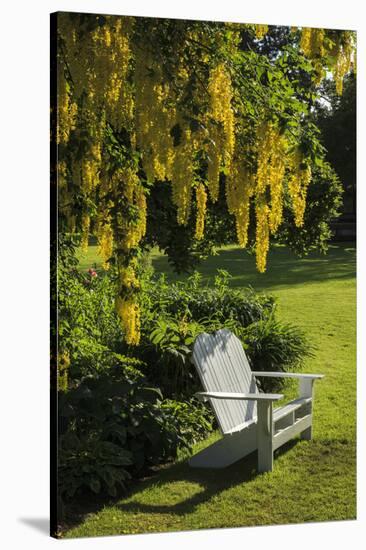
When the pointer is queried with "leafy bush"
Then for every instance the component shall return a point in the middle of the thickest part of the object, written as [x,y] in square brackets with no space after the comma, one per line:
[88,463]
[113,425]
[168,350]
[175,314]
[197,302]
[193,418]
[275,346]
[88,327]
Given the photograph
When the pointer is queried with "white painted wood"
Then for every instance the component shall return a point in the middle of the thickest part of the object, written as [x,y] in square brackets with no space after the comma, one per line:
[283,422]
[265,436]
[205,395]
[228,449]
[289,408]
[306,390]
[245,416]
[288,433]
[241,427]
[258,374]
[222,366]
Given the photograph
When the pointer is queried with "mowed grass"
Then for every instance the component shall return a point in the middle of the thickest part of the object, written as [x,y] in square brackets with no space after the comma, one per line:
[312,480]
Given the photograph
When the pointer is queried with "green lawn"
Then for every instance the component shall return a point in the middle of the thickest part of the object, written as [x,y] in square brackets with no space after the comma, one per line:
[312,480]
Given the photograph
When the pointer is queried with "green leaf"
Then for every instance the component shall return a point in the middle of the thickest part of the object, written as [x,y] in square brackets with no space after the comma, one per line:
[95,485]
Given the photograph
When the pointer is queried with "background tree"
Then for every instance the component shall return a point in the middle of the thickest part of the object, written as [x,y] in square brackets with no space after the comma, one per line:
[336,118]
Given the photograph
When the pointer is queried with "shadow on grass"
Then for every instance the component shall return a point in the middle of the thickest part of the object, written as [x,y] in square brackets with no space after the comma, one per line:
[209,480]
[284,268]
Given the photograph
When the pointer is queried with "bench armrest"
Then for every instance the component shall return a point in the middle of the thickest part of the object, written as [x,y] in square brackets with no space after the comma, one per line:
[287,375]
[204,396]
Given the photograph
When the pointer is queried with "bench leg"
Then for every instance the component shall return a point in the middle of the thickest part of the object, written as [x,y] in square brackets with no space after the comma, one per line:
[307,434]
[307,390]
[265,436]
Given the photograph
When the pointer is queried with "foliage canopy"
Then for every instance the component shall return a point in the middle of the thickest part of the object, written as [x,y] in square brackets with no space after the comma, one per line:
[184,109]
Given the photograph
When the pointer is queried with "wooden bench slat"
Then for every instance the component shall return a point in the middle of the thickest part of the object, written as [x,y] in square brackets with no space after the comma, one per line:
[271,374]
[281,412]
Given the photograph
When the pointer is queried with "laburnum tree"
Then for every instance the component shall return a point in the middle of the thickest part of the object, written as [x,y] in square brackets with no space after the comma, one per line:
[184,134]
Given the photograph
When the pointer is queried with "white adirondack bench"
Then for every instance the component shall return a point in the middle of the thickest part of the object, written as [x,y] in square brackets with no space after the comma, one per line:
[246,417]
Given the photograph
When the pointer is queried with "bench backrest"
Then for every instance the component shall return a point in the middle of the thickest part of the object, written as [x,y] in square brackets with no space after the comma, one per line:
[222,365]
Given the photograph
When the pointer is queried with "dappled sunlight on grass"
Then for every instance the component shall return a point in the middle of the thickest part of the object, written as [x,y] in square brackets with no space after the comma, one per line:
[284,268]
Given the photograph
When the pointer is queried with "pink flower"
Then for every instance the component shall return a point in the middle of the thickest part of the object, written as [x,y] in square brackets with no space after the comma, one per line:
[92,272]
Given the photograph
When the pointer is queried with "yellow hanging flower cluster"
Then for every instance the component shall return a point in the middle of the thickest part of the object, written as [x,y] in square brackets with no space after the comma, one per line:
[240,187]
[260,31]
[201,198]
[182,177]
[266,137]
[90,166]
[272,152]
[316,45]
[345,56]
[128,311]
[213,164]
[299,180]
[262,234]
[221,143]
[128,278]
[276,180]
[312,44]
[103,227]
[112,54]
[98,61]
[183,325]
[66,110]
[130,231]
[305,41]
[104,234]
[154,117]
[221,94]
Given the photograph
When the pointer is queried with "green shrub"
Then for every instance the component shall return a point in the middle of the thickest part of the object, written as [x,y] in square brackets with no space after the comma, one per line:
[196,302]
[274,346]
[89,463]
[167,351]
[113,425]
[88,326]
[193,418]
[174,315]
